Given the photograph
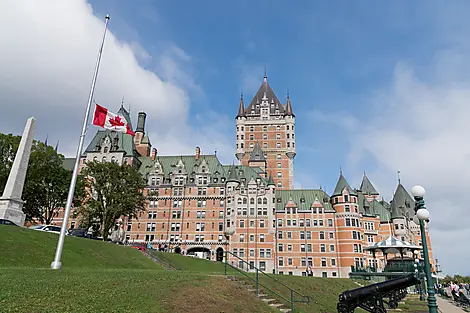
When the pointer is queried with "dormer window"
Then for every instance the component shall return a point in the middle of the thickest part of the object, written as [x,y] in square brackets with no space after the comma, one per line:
[203,169]
[105,150]
[302,200]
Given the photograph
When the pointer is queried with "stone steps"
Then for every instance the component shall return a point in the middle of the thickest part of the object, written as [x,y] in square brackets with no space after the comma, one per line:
[271,302]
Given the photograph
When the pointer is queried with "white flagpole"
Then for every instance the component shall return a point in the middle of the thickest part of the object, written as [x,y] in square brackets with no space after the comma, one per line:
[56,264]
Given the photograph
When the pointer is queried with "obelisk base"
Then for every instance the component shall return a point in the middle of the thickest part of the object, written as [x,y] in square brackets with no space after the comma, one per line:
[11,209]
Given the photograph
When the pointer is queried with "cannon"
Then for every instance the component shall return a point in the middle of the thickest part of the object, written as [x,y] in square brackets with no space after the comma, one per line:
[371,298]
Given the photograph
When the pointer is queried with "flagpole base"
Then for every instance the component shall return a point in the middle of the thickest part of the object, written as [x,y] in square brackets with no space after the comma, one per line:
[56,265]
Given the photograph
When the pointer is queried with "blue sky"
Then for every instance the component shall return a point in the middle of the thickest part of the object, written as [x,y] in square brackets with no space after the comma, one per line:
[375,86]
[329,55]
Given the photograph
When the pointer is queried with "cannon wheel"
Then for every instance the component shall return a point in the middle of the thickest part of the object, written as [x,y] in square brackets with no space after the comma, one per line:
[343,308]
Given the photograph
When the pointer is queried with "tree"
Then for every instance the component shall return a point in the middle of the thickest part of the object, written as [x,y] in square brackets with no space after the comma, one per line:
[47,182]
[111,191]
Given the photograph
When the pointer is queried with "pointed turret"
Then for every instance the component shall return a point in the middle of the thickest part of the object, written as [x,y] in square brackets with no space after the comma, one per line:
[271,180]
[402,203]
[289,110]
[367,187]
[233,176]
[241,108]
[257,154]
[122,111]
[57,146]
[265,92]
[342,183]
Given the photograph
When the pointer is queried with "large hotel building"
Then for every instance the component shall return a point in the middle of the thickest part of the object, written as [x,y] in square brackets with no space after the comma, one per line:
[197,204]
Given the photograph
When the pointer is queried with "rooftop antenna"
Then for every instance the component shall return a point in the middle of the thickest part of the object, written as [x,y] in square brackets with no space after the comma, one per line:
[265,76]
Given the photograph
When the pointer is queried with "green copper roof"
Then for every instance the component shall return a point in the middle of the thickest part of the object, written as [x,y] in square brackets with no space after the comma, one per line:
[125,142]
[402,203]
[271,181]
[342,183]
[303,198]
[246,173]
[367,187]
[232,175]
[378,209]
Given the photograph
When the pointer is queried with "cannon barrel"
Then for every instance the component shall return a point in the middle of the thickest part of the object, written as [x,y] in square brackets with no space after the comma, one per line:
[363,293]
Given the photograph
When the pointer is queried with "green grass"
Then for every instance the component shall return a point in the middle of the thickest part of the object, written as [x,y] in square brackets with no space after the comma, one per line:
[102,277]
[23,247]
[190,264]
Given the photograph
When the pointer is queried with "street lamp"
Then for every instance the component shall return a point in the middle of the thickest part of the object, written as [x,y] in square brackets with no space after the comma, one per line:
[423,215]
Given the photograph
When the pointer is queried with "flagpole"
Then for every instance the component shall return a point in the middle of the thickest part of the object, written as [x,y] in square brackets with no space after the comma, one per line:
[56,264]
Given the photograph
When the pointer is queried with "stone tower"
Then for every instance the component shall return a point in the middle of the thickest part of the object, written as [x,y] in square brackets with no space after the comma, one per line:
[266,125]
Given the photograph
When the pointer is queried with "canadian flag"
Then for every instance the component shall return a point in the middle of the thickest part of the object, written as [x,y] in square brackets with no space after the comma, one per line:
[109,120]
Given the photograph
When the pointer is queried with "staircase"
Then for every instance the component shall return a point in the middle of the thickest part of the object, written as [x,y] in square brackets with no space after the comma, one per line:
[164,263]
[264,297]
[257,281]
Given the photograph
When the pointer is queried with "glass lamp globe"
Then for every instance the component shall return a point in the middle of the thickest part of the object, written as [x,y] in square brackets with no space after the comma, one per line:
[416,220]
[423,214]
[418,191]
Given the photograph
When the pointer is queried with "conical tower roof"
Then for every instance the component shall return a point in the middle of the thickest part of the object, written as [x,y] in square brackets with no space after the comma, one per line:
[367,187]
[265,91]
[257,154]
[341,184]
[233,176]
[402,203]
[241,108]
[289,110]
[271,180]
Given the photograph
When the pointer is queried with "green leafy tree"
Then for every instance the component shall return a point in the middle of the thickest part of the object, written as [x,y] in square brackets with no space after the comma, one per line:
[47,182]
[111,191]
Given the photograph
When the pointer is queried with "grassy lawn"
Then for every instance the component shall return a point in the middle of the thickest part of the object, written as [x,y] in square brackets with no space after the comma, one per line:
[190,264]
[102,277]
[22,247]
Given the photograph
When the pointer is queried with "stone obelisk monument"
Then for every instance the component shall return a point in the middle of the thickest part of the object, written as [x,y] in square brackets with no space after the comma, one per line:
[11,204]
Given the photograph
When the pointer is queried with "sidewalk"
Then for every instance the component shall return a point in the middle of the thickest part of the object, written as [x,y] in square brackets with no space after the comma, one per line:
[447,307]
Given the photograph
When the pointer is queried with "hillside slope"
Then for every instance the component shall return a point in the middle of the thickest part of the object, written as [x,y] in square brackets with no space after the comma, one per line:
[23,247]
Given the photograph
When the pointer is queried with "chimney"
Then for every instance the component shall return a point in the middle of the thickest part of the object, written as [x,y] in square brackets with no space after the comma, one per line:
[198,153]
[154,153]
[141,122]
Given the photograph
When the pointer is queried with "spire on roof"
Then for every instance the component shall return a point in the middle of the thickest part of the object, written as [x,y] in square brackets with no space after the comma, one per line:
[367,187]
[233,176]
[257,154]
[289,110]
[265,79]
[241,107]
[45,141]
[57,146]
[341,184]
[271,180]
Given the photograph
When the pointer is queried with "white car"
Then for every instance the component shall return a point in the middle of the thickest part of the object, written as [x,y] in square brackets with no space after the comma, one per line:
[48,228]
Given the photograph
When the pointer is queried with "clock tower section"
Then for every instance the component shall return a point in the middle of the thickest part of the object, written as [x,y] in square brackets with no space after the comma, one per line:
[265,136]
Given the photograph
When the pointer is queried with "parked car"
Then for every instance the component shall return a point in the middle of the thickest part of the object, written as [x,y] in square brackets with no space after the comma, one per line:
[6,222]
[47,228]
[78,232]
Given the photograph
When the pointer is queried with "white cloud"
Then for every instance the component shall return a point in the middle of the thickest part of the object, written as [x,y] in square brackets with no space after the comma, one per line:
[419,125]
[47,58]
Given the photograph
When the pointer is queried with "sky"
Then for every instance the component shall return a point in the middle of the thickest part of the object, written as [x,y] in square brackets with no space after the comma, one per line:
[377,87]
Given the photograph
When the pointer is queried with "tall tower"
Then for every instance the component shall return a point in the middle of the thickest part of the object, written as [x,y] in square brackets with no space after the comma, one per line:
[267,125]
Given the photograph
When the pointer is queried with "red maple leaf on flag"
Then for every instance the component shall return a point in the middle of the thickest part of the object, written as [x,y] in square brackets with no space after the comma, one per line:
[116,121]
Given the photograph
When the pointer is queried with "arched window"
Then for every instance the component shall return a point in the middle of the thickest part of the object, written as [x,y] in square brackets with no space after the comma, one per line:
[259,200]
[265,201]
[244,201]
[252,200]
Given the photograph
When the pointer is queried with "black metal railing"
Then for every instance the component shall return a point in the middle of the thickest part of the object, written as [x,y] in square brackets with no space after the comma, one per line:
[290,299]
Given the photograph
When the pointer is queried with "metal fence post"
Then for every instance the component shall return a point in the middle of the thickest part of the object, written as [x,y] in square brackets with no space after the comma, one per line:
[225,264]
[292,300]
[257,282]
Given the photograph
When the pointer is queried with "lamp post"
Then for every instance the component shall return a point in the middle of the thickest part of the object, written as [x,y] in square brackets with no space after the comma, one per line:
[423,214]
